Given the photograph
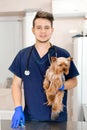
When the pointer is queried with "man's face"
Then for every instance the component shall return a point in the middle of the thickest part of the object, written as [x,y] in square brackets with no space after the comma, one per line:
[42,30]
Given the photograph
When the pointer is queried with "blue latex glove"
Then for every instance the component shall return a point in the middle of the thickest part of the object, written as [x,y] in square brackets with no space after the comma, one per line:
[62,87]
[18,118]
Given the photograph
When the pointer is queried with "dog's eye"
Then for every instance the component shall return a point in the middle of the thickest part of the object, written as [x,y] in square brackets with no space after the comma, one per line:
[66,65]
[60,65]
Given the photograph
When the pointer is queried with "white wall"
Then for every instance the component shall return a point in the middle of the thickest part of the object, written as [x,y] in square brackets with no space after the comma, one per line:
[21,5]
[28,37]
[64,29]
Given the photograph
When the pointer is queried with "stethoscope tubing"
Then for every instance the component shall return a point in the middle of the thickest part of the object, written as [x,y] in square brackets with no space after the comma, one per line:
[29,55]
[27,72]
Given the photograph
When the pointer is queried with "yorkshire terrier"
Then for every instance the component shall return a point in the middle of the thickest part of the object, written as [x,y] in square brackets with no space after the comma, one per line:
[53,81]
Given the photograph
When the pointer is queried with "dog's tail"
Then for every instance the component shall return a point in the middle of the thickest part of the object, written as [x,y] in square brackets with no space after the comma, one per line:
[54,115]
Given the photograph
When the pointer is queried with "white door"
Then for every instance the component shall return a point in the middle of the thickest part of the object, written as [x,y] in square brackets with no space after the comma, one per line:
[10,44]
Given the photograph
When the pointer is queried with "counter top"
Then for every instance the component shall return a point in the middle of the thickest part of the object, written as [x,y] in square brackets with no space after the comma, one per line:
[5,125]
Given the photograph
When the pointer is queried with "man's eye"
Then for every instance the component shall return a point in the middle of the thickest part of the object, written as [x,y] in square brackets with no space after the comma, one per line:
[47,28]
[38,27]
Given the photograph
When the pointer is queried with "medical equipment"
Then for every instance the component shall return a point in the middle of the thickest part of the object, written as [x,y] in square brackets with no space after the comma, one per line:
[52,48]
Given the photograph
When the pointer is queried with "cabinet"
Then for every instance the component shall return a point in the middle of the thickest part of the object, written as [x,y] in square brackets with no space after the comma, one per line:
[6,103]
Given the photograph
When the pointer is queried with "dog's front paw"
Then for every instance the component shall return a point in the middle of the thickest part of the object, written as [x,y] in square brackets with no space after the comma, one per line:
[46,84]
[50,99]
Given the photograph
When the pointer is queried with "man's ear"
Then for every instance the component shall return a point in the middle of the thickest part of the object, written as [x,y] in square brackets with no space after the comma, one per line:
[53,59]
[33,30]
[52,29]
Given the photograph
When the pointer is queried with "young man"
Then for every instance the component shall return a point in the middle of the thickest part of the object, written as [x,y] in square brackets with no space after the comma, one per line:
[35,59]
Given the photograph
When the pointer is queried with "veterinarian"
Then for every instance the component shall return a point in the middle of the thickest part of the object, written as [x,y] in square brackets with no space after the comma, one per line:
[29,67]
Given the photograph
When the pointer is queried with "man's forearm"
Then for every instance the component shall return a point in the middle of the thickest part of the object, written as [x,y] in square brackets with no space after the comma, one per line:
[70,83]
[17,91]
[17,95]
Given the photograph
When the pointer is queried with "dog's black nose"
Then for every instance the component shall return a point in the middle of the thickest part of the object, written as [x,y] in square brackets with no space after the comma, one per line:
[64,69]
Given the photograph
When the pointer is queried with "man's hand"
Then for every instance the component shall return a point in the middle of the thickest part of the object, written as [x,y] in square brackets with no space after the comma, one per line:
[18,118]
[62,87]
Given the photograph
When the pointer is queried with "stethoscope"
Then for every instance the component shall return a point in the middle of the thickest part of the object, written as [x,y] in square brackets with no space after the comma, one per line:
[52,48]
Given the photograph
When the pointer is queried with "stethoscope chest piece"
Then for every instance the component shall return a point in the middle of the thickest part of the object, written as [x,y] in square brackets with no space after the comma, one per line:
[27,72]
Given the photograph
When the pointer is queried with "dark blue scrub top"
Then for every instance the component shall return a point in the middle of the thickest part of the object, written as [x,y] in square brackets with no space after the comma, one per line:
[35,109]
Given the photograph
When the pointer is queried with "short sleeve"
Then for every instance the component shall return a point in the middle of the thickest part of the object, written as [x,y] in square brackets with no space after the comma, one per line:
[73,72]
[15,67]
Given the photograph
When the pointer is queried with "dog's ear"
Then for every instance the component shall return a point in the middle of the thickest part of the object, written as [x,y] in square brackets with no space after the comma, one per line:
[53,59]
[70,58]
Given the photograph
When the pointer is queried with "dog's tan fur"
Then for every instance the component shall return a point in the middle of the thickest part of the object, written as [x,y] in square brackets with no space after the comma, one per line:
[53,81]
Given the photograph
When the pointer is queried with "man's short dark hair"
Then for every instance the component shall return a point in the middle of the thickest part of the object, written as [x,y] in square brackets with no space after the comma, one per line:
[45,15]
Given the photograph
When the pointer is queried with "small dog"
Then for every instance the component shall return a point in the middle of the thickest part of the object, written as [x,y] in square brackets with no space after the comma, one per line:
[54,79]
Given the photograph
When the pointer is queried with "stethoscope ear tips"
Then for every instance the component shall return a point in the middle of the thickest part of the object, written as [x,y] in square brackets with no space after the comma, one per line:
[27,72]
